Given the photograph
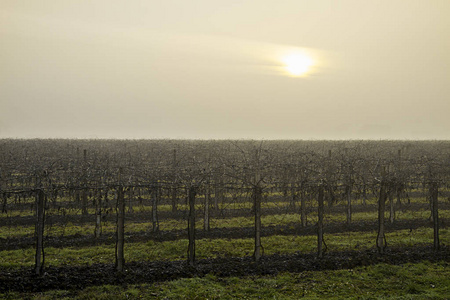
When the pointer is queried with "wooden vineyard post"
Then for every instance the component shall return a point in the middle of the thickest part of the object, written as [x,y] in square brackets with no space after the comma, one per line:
[257,197]
[76,196]
[84,200]
[293,196]
[206,211]
[284,188]
[174,188]
[130,199]
[120,259]
[328,175]
[391,206]
[98,214]
[4,197]
[399,194]
[5,200]
[349,202]
[398,188]
[84,194]
[174,198]
[364,185]
[155,197]
[303,206]
[381,207]
[320,222]
[192,192]
[434,200]
[219,193]
[349,187]
[40,222]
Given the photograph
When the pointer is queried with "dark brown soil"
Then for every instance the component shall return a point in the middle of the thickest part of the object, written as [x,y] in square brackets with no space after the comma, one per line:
[76,278]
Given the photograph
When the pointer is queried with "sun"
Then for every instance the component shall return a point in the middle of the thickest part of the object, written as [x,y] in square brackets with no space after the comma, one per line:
[297,64]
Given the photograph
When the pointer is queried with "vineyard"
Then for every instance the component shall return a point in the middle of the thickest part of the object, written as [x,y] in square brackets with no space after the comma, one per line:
[79,213]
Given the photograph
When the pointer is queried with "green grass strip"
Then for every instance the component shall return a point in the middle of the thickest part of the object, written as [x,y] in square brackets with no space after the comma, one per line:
[212,248]
[421,280]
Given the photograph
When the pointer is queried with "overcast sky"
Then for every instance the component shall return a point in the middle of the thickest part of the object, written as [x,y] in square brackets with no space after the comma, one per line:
[217,69]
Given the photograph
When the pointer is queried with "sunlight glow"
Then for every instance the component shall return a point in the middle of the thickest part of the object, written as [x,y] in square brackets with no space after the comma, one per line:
[297,64]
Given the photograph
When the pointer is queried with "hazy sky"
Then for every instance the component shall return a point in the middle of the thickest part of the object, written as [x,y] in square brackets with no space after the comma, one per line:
[216,69]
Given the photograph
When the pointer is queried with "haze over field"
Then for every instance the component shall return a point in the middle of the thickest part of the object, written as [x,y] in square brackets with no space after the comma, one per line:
[206,69]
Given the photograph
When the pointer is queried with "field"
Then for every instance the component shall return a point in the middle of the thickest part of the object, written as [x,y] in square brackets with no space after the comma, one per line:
[116,219]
